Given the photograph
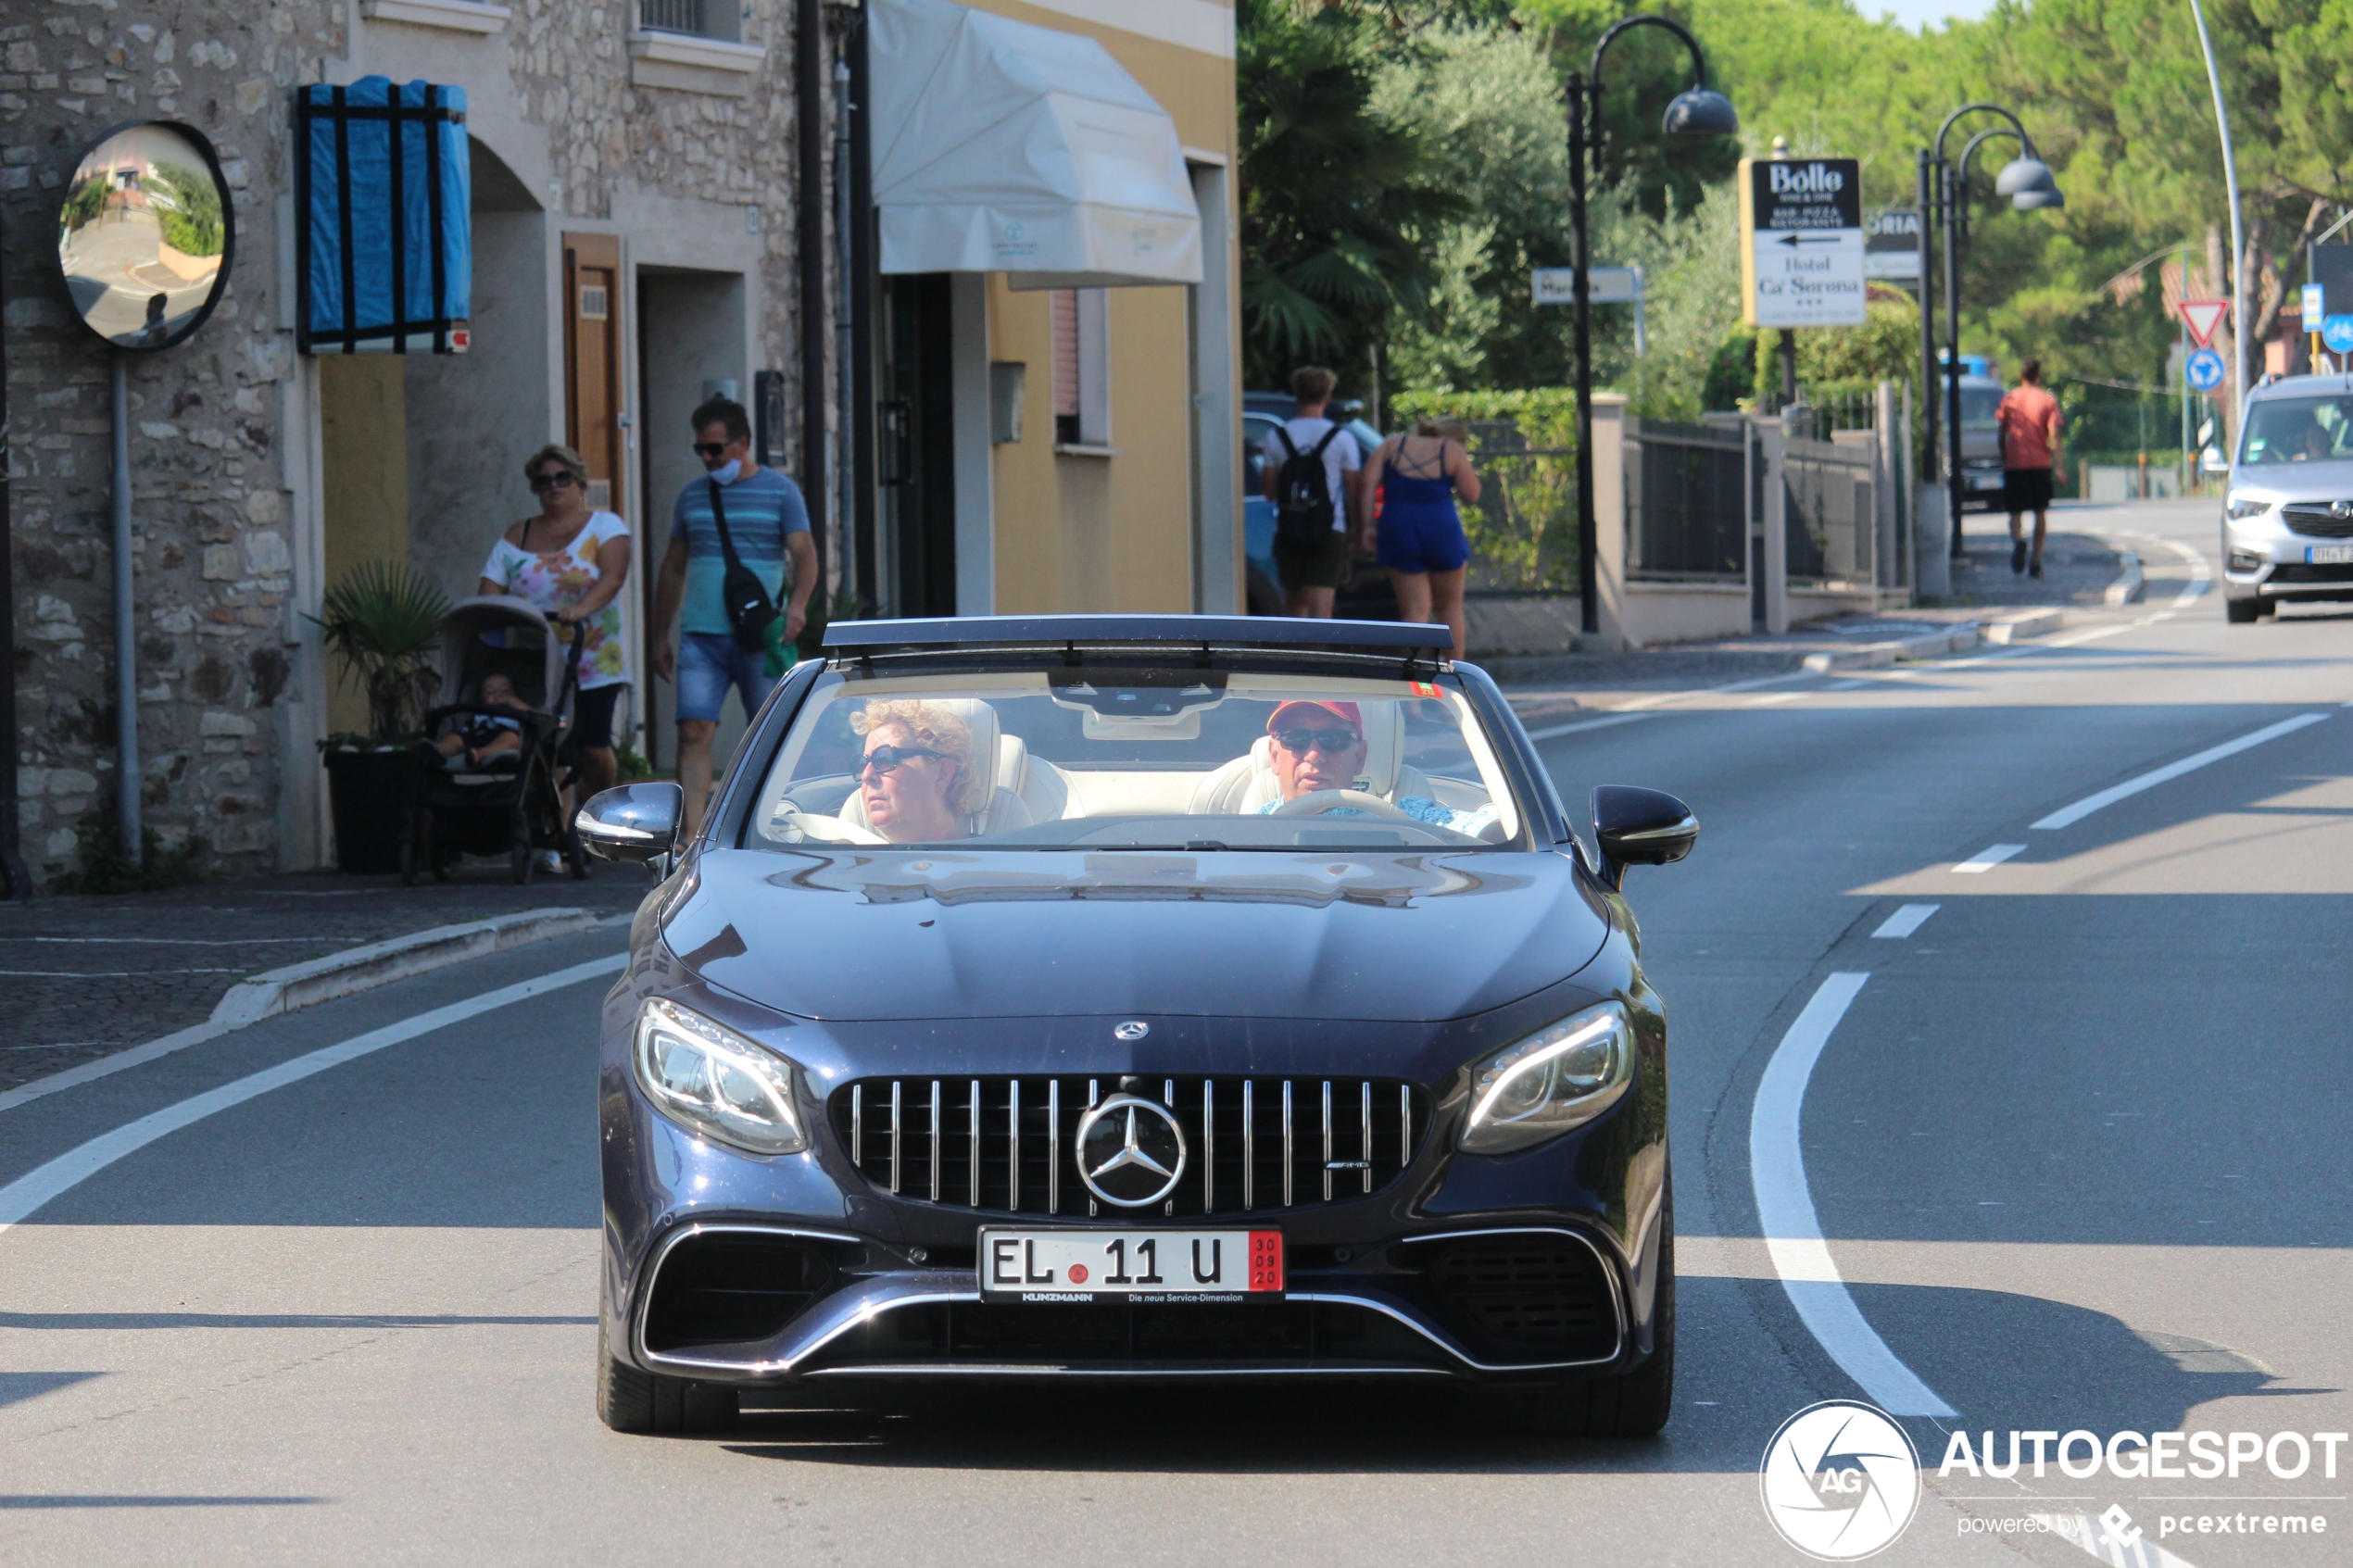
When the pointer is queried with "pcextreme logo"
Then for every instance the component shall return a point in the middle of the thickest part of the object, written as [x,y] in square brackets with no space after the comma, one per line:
[1839,1480]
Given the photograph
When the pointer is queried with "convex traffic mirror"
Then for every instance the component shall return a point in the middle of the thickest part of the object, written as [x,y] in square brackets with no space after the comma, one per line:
[146,234]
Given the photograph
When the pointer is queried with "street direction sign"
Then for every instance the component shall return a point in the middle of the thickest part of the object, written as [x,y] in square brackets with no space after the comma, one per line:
[2204,370]
[2337,332]
[1802,243]
[1891,245]
[2203,316]
[1605,285]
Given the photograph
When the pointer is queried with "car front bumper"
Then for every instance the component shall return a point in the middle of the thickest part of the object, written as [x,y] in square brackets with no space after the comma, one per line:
[2264,560]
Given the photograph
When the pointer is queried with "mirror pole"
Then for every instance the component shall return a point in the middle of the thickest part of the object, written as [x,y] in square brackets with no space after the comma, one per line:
[126,632]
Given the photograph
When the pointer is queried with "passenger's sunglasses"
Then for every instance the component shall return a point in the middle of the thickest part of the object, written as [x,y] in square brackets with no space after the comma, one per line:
[553,479]
[709,448]
[1328,738]
[886,758]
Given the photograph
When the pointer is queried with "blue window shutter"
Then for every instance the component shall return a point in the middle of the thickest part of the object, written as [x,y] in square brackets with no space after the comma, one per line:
[383,219]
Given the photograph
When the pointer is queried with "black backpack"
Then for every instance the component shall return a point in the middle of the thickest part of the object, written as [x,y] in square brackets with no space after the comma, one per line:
[1302,493]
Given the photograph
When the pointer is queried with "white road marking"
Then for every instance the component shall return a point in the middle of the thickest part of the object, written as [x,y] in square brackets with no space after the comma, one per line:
[1794,1233]
[1791,697]
[29,1192]
[1556,731]
[1906,921]
[2067,815]
[1988,857]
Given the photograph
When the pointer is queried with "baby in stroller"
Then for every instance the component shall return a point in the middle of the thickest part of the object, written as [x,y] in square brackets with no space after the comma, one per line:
[475,741]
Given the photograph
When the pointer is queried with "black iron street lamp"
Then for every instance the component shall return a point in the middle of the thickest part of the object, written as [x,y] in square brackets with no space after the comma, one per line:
[2027,182]
[1698,110]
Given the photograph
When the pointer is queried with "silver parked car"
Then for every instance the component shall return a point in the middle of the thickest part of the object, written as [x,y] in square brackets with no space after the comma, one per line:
[2287,520]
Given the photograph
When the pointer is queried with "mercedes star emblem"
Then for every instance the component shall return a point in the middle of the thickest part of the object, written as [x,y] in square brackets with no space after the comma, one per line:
[1131,1151]
[1133,1029]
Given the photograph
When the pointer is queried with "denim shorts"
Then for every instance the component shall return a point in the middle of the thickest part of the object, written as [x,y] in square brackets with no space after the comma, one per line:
[709,663]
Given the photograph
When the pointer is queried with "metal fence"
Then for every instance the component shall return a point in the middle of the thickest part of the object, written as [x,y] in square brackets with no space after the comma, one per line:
[1686,501]
[1523,532]
[1831,519]
[670,15]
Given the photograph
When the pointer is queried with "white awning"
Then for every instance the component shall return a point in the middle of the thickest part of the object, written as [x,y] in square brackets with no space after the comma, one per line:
[1004,148]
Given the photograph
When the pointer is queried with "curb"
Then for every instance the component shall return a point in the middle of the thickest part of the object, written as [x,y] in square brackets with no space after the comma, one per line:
[2129,587]
[2011,627]
[378,963]
[2022,624]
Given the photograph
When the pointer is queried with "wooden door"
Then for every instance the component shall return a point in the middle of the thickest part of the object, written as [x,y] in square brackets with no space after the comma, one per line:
[592,362]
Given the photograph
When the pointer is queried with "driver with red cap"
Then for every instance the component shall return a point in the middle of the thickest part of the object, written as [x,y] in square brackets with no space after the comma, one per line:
[1320,745]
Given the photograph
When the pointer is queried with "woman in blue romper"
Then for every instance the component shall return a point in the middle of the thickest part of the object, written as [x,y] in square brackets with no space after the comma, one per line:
[1416,478]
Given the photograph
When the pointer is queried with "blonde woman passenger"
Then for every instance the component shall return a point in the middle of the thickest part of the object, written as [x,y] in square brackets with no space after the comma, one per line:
[916,779]
[1417,477]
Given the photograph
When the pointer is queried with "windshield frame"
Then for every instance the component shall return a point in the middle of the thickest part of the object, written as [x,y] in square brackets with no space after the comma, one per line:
[1542,823]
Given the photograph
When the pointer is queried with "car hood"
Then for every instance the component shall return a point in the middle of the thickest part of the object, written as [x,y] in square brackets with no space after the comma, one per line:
[2295,482]
[884,934]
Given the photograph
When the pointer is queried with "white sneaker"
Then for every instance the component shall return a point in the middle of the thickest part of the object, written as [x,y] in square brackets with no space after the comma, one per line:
[551,862]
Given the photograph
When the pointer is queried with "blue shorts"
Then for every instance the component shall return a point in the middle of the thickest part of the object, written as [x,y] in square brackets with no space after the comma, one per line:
[1419,539]
[709,663]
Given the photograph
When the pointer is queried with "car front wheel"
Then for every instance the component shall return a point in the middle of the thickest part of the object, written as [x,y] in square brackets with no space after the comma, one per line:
[646,1402]
[2242,612]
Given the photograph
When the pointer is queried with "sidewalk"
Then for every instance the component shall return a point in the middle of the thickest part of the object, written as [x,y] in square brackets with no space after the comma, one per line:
[1989,602]
[92,975]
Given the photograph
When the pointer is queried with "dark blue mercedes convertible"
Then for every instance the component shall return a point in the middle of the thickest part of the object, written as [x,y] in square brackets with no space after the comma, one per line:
[1106,996]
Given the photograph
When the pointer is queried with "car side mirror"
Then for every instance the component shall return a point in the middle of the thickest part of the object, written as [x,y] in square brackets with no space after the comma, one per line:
[637,822]
[2213,461]
[1640,827]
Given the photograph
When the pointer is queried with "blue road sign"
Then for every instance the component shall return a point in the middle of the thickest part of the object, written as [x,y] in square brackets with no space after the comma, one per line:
[2337,333]
[2204,370]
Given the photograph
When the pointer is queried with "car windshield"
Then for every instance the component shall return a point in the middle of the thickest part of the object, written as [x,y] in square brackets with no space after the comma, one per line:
[2298,430]
[1138,758]
[1980,404]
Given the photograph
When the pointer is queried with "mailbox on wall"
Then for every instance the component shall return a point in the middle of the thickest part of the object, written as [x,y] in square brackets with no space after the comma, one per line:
[384,231]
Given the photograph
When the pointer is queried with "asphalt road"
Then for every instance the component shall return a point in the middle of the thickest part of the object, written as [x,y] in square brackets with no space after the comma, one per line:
[2079,1144]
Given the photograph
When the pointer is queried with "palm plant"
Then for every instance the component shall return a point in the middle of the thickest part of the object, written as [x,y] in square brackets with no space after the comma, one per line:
[382,623]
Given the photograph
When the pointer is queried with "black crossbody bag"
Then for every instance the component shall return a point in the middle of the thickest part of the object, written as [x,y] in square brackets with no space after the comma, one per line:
[750,610]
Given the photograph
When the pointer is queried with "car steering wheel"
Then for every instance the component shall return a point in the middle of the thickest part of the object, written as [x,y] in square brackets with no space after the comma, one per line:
[1316,802]
[807,827]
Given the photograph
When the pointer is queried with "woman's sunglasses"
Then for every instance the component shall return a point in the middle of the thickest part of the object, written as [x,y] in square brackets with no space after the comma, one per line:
[554,479]
[886,758]
[709,448]
[1328,739]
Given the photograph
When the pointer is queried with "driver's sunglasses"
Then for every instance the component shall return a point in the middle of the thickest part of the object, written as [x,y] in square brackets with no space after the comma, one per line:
[553,479]
[886,758]
[711,448]
[1331,739]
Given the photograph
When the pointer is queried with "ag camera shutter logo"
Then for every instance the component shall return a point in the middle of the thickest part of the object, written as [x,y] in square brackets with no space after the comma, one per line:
[1839,1480]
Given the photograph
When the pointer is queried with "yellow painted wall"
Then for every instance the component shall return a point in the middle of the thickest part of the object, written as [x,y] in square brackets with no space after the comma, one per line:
[1094,533]
[363,437]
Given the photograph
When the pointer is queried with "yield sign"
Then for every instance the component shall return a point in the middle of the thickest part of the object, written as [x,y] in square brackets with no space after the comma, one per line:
[2203,316]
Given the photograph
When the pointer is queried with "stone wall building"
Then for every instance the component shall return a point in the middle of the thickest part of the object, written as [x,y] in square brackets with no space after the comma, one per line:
[636,180]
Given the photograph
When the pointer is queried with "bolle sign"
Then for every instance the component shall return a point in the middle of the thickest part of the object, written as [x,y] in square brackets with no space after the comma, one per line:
[1802,246]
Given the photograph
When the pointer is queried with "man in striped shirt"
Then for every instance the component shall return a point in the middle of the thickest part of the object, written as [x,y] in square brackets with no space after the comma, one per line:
[769,524]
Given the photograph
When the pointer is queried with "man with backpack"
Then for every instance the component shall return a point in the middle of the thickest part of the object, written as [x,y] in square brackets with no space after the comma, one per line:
[1312,464]
[731,534]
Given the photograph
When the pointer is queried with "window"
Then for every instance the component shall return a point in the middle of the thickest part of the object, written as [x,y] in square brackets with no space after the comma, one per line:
[700,19]
[1082,367]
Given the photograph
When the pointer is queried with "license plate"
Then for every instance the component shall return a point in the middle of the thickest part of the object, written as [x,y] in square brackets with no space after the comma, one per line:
[1987,480]
[1147,1267]
[2328,554]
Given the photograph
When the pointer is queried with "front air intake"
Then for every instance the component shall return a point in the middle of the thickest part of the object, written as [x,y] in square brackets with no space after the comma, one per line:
[727,1288]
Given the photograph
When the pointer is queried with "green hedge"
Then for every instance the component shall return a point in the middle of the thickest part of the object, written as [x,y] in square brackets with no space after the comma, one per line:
[1546,416]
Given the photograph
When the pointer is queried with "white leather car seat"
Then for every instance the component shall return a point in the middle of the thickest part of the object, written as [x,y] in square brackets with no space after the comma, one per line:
[1003,811]
[1043,787]
[1248,782]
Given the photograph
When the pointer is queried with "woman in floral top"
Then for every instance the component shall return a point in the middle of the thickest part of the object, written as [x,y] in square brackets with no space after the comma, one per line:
[569,563]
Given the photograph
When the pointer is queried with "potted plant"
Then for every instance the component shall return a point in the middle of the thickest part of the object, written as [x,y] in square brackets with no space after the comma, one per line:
[382,625]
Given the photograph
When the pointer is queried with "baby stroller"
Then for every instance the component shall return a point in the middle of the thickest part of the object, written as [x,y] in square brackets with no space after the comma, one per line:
[514,801]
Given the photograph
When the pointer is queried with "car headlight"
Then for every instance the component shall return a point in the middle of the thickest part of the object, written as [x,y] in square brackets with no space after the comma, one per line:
[2246,505]
[1553,1082]
[715,1081]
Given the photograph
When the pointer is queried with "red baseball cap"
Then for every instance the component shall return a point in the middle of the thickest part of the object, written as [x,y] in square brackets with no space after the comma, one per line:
[1347,711]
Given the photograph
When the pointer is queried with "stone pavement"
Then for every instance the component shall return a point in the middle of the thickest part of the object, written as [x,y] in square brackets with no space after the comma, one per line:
[91,975]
